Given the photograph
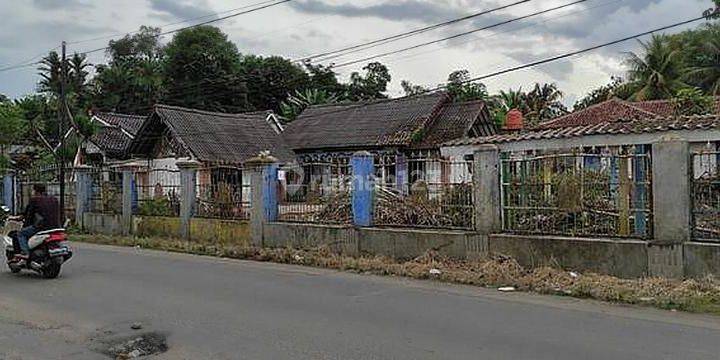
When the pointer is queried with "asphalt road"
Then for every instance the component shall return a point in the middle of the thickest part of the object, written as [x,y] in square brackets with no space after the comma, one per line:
[224,309]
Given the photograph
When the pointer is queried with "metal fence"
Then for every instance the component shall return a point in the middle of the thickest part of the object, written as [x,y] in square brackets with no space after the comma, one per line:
[579,194]
[156,192]
[430,193]
[223,193]
[50,178]
[706,196]
[316,192]
[105,191]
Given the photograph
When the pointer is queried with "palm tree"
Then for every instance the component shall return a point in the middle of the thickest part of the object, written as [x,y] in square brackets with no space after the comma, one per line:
[544,102]
[708,74]
[657,74]
[298,101]
[50,68]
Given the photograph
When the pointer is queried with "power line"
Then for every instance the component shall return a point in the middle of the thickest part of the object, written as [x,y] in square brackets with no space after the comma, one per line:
[385,40]
[203,23]
[474,39]
[459,35]
[508,70]
[174,23]
[525,66]
[164,33]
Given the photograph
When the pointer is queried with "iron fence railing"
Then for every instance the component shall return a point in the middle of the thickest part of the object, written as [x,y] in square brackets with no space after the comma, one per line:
[424,193]
[706,196]
[579,194]
[223,193]
[316,193]
[105,194]
[156,192]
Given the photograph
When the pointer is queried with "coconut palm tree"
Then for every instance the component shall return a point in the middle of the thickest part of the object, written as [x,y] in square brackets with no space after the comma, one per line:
[544,102]
[298,101]
[657,74]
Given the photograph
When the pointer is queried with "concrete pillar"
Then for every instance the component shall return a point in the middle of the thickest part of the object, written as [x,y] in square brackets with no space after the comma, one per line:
[127,189]
[363,168]
[671,173]
[486,188]
[8,185]
[263,171]
[188,181]
[83,189]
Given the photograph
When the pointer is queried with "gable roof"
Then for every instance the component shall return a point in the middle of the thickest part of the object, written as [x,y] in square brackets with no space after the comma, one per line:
[455,121]
[611,110]
[390,122]
[616,110]
[363,124]
[129,123]
[665,107]
[631,126]
[211,136]
[115,133]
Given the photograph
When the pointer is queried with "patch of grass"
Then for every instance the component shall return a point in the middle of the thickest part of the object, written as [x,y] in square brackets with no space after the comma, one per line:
[701,296]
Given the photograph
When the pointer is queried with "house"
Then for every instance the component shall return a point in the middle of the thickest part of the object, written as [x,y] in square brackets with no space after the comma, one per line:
[111,141]
[611,123]
[220,142]
[403,134]
[604,131]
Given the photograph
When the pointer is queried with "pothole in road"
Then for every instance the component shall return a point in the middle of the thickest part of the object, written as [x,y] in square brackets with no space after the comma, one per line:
[136,346]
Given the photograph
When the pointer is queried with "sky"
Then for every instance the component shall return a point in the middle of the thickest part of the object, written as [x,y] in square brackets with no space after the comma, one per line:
[30,28]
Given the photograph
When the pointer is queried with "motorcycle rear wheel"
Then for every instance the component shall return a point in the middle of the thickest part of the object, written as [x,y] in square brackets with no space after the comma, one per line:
[51,271]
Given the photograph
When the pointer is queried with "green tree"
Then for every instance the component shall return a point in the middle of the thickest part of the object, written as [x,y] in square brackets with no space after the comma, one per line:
[202,68]
[461,89]
[657,73]
[601,94]
[132,81]
[13,129]
[270,80]
[505,101]
[298,101]
[143,44]
[371,85]
[50,72]
[411,90]
[706,71]
[543,103]
[693,102]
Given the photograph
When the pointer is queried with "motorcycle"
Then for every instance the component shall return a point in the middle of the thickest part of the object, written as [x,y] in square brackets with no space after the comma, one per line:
[49,250]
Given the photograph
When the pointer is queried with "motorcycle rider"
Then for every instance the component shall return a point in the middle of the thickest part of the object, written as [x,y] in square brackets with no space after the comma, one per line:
[42,213]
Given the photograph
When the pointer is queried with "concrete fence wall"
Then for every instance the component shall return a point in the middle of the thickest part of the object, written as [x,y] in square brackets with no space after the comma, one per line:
[669,253]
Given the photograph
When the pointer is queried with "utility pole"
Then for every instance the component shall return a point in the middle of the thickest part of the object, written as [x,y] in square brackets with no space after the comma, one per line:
[61,132]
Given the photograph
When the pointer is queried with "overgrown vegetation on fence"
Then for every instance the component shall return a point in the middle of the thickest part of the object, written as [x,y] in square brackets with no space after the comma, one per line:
[706,196]
[578,195]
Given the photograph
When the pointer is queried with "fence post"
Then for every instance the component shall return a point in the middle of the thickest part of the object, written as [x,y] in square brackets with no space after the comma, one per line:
[188,182]
[402,176]
[672,206]
[9,190]
[486,188]
[363,168]
[127,189]
[83,187]
[263,171]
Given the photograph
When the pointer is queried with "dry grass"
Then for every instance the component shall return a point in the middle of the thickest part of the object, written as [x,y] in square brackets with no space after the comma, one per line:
[689,295]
